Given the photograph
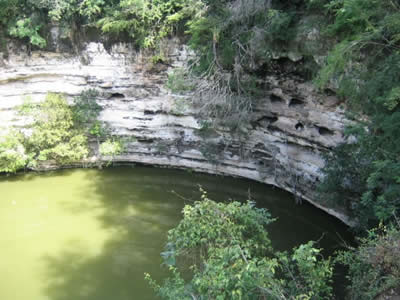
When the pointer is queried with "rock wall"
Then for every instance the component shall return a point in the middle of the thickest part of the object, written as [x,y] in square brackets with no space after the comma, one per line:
[290,127]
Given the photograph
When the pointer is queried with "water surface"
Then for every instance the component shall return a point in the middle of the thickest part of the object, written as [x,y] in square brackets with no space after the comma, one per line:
[90,234]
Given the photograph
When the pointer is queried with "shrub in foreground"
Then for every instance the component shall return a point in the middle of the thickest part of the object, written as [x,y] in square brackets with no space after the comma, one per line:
[222,251]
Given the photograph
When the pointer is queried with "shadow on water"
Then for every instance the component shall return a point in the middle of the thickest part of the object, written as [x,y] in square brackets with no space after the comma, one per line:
[138,212]
[139,206]
[117,273]
[29,175]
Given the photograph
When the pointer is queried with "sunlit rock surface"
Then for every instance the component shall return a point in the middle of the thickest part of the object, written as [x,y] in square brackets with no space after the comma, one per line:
[290,127]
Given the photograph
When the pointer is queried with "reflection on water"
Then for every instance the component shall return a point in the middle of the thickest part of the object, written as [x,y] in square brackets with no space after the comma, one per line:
[91,234]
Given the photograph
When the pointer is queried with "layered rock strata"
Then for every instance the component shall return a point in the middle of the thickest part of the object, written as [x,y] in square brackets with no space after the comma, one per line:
[290,127]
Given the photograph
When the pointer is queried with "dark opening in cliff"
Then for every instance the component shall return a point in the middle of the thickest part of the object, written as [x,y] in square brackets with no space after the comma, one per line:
[299,126]
[116,96]
[324,131]
[275,99]
[295,102]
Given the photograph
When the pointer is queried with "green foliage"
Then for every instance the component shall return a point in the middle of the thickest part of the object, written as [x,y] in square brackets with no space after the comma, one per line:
[73,11]
[57,132]
[363,176]
[317,5]
[7,10]
[146,22]
[98,129]
[226,249]
[234,42]
[179,81]
[111,148]
[158,58]
[91,8]
[368,32]
[86,109]
[374,266]
[365,68]
[24,20]
[54,136]
[307,276]
[27,107]
[25,29]
[237,34]
[12,153]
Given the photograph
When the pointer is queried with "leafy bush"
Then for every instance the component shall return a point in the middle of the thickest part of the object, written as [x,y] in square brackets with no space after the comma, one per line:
[86,109]
[12,153]
[146,22]
[71,10]
[98,129]
[374,266]
[179,81]
[23,19]
[57,132]
[27,107]
[365,68]
[24,28]
[111,148]
[226,249]
[54,136]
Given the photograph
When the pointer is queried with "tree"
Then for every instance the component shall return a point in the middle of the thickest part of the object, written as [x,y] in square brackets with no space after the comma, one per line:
[374,266]
[12,153]
[54,136]
[364,68]
[225,251]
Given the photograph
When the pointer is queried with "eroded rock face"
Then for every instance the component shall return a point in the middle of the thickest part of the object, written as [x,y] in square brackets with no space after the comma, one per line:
[290,127]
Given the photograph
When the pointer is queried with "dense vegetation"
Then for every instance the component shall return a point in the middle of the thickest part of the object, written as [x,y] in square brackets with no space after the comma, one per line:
[144,21]
[236,42]
[374,266]
[50,136]
[225,251]
[222,251]
[53,136]
[365,67]
[57,132]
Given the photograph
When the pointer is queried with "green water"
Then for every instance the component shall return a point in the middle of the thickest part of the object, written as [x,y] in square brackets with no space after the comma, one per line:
[90,234]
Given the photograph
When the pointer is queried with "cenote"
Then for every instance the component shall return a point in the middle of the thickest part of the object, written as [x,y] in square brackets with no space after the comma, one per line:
[89,234]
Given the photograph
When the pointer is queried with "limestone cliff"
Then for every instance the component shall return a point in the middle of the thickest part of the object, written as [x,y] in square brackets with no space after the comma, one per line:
[290,127]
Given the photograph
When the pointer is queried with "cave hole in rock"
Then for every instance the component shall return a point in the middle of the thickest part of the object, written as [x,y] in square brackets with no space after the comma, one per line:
[295,102]
[299,126]
[116,96]
[268,119]
[264,121]
[324,131]
[147,141]
[152,112]
[281,66]
[275,99]
[329,92]
[260,146]
[272,119]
